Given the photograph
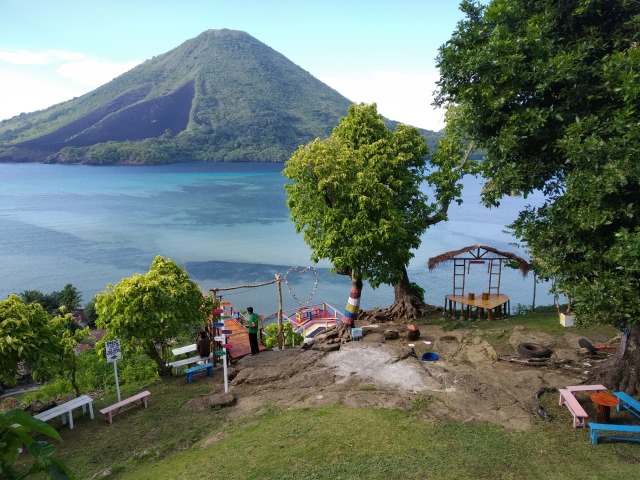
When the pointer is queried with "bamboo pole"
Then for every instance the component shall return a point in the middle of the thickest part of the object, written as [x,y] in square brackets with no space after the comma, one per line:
[280,327]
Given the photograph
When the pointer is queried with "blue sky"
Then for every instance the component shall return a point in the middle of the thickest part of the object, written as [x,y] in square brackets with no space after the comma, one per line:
[370,51]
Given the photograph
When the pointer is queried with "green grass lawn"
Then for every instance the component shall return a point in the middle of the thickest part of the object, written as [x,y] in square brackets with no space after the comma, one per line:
[170,441]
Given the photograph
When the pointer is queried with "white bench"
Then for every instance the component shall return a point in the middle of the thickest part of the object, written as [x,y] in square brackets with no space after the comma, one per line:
[116,408]
[178,364]
[567,399]
[186,349]
[66,409]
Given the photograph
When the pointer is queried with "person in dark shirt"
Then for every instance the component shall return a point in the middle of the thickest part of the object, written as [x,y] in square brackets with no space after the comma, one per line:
[203,345]
[253,326]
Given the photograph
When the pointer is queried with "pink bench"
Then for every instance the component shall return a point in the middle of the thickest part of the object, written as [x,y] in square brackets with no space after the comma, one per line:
[585,388]
[572,404]
[116,408]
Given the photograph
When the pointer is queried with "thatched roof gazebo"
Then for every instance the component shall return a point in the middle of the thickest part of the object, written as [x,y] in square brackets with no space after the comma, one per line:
[482,255]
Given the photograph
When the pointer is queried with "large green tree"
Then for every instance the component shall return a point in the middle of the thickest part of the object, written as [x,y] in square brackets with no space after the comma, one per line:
[551,91]
[28,336]
[147,310]
[357,198]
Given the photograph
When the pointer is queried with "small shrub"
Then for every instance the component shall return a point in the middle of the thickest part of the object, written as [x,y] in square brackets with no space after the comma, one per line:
[271,335]
[52,391]
[522,309]
[418,291]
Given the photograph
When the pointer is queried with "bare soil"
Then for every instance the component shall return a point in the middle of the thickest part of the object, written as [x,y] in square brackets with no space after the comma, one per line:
[471,381]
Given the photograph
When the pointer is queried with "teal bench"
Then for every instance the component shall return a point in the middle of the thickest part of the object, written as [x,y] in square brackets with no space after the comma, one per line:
[199,370]
[628,403]
[607,427]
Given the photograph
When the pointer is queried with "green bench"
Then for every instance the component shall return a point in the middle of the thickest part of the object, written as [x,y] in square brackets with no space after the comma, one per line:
[607,427]
[198,370]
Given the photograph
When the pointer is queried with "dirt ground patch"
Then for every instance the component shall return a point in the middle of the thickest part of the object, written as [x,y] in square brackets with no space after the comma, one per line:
[471,381]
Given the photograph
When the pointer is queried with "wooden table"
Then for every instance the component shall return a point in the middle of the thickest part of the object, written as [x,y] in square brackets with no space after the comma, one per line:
[604,402]
[497,304]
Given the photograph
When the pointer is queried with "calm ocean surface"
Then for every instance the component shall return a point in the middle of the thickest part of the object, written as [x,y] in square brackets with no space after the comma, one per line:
[226,224]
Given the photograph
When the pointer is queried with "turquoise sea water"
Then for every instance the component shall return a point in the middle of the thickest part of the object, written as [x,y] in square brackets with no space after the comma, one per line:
[227,224]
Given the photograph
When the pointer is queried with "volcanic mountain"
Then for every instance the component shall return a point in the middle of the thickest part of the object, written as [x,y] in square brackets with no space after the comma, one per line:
[222,96]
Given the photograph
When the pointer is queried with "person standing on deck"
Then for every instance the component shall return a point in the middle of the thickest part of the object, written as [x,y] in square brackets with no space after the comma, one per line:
[252,326]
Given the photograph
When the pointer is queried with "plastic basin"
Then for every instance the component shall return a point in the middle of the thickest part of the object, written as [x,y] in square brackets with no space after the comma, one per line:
[430,357]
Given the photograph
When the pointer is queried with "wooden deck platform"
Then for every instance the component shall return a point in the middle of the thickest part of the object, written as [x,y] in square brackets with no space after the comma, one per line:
[495,306]
[239,339]
[312,319]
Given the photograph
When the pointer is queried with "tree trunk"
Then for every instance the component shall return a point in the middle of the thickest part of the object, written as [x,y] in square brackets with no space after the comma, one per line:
[74,381]
[622,371]
[163,369]
[353,304]
[406,306]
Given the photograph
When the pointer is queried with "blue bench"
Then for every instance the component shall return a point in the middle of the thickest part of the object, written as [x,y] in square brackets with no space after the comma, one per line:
[198,370]
[628,403]
[607,427]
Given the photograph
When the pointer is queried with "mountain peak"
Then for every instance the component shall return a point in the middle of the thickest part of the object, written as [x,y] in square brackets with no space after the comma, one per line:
[221,96]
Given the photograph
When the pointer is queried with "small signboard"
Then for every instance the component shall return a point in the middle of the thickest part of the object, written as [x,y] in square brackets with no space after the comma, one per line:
[112,348]
[227,332]
[219,338]
[218,324]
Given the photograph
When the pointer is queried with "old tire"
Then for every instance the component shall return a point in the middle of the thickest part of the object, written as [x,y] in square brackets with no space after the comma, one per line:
[533,350]
[584,343]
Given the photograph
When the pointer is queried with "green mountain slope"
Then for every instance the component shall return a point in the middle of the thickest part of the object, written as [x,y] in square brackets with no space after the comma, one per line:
[222,96]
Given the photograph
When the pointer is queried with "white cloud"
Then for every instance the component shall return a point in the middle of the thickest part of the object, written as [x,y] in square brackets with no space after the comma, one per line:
[400,96]
[93,72]
[45,57]
[34,80]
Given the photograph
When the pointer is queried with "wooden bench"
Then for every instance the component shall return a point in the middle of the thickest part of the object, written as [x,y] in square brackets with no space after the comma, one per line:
[178,364]
[608,427]
[116,408]
[586,388]
[567,398]
[65,410]
[198,370]
[628,403]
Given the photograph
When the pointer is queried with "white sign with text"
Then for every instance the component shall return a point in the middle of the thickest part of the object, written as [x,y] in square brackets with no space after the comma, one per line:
[112,348]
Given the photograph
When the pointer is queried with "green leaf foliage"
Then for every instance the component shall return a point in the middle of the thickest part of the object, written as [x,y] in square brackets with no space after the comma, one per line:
[146,310]
[27,335]
[356,195]
[15,435]
[551,92]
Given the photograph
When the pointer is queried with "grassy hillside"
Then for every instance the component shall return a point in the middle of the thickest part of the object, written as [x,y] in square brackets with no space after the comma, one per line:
[180,436]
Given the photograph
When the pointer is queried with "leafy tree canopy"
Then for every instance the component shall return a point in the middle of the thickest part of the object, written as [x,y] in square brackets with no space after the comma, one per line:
[149,309]
[63,301]
[356,195]
[551,92]
[27,335]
